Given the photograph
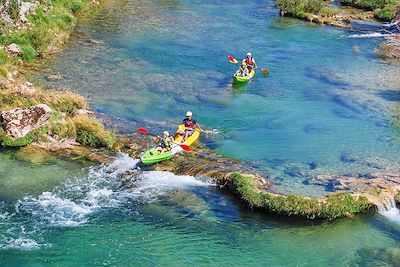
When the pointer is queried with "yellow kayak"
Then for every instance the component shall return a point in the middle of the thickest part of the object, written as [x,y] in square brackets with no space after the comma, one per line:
[191,139]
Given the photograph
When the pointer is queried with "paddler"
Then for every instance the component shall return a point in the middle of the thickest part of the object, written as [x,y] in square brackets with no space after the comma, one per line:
[164,142]
[242,71]
[190,126]
[250,61]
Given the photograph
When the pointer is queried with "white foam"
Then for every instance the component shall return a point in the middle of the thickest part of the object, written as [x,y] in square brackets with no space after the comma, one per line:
[390,211]
[368,35]
[72,203]
[21,243]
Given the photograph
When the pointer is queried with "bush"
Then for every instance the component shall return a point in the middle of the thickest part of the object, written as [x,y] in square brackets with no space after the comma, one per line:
[301,8]
[92,133]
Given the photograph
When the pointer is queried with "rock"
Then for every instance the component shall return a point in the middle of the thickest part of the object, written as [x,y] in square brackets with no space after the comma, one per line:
[3,83]
[13,50]
[54,77]
[84,112]
[26,89]
[25,9]
[19,122]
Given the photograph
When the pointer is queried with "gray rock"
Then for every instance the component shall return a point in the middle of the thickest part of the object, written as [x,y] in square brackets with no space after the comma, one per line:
[54,77]
[19,122]
[13,50]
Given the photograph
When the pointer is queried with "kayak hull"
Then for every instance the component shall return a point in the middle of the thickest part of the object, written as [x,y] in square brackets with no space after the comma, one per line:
[151,156]
[191,139]
[245,79]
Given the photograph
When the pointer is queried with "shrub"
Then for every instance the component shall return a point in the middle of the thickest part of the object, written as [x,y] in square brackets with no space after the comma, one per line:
[92,133]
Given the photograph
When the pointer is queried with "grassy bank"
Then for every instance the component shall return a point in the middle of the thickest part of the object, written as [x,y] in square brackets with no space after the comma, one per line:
[312,9]
[50,25]
[333,206]
[384,9]
[47,31]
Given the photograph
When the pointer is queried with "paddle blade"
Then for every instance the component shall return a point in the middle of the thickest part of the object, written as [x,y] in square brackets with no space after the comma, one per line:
[265,70]
[232,60]
[143,131]
[185,147]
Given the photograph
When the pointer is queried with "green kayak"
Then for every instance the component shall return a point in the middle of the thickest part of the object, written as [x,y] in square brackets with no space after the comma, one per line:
[152,157]
[244,79]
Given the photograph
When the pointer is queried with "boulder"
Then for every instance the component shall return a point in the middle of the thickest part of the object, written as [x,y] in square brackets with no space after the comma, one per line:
[19,122]
[54,77]
[13,50]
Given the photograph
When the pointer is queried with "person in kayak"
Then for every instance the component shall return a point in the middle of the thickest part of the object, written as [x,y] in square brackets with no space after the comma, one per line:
[243,71]
[164,142]
[250,61]
[190,126]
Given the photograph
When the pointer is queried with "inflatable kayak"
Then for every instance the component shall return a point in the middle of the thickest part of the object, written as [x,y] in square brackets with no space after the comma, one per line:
[191,139]
[244,79]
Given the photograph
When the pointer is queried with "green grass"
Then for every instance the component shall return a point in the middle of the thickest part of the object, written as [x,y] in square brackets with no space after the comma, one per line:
[333,206]
[384,9]
[92,133]
[42,36]
[304,8]
[33,136]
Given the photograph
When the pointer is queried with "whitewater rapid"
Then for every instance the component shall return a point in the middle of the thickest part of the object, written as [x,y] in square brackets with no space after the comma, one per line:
[77,201]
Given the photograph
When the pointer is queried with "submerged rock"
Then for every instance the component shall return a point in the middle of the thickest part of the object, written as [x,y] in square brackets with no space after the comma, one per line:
[19,122]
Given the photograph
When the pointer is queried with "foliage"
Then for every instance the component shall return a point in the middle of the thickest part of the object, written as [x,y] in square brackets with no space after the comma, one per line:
[13,9]
[39,38]
[33,136]
[334,206]
[92,133]
[66,102]
[302,8]
[384,9]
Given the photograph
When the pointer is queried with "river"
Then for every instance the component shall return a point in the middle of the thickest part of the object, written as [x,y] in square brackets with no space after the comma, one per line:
[328,106]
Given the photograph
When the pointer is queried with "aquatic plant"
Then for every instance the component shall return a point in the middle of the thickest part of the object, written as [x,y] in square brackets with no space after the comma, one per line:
[333,206]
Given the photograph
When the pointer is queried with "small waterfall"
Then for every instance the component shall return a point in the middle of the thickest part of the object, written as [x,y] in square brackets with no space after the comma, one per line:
[389,210]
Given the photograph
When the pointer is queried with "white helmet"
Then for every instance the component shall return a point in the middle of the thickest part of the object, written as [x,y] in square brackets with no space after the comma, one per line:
[248,53]
[166,133]
[189,114]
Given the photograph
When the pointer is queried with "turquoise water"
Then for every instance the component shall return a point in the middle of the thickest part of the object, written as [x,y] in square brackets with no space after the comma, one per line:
[322,103]
[323,109]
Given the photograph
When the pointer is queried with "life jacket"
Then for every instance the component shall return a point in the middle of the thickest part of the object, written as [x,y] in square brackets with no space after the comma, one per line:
[249,61]
[167,143]
[189,123]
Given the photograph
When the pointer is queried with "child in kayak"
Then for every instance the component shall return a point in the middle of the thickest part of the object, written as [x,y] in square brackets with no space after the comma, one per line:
[242,71]
[164,142]
[190,126]
[250,61]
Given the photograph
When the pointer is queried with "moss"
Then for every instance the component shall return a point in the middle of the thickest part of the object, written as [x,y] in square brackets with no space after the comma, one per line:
[333,206]
[397,198]
[33,136]
[92,133]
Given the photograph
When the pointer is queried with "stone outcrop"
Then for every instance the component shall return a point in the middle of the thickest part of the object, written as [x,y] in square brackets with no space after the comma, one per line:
[390,48]
[19,122]
[13,50]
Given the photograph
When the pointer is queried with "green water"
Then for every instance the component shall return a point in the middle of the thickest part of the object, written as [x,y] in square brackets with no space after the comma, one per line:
[323,109]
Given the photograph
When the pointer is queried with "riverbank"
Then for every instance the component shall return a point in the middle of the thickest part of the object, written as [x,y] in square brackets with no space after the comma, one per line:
[72,125]
[342,13]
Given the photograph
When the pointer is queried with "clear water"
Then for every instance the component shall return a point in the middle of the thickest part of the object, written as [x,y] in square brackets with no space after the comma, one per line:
[322,102]
[167,220]
[324,108]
